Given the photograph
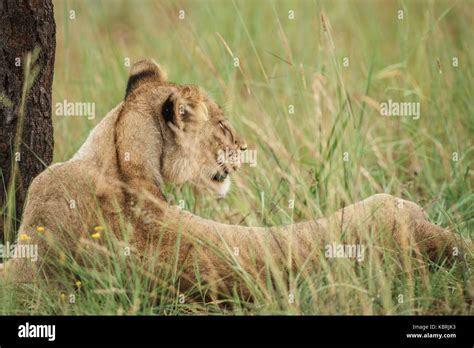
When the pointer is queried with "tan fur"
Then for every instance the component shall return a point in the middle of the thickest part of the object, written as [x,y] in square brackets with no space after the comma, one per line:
[136,148]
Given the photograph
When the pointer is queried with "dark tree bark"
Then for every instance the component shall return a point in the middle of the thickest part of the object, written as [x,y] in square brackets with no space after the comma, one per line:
[26,28]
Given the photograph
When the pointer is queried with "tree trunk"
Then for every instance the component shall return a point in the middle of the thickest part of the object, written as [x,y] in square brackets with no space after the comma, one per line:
[27,48]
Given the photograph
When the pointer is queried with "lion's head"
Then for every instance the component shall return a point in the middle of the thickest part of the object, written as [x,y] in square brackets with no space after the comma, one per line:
[196,142]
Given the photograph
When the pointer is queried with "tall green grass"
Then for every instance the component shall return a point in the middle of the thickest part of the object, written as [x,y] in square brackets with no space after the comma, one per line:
[287,64]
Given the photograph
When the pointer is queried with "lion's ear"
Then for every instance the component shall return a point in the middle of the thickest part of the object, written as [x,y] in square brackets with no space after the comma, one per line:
[144,71]
[185,108]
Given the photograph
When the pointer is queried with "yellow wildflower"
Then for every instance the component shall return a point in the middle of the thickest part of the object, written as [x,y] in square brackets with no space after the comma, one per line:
[24,237]
[40,229]
[78,284]
[98,228]
[95,235]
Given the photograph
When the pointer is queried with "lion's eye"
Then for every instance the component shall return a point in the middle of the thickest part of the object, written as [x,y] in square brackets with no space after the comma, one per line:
[222,126]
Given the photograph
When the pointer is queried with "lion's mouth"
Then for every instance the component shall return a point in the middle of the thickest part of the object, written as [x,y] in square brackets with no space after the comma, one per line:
[219,177]
[221,182]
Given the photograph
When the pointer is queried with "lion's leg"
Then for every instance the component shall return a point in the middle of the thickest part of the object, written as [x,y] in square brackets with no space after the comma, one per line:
[437,242]
[403,220]
[380,211]
[431,240]
[390,207]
